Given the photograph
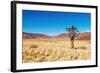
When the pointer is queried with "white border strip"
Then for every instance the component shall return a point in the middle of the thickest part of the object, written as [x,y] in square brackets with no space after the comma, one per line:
[21,65]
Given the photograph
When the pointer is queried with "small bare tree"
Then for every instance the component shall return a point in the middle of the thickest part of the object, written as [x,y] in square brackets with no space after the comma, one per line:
[72,32]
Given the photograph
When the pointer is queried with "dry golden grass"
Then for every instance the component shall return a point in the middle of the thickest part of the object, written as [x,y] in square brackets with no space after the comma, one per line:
[40,50]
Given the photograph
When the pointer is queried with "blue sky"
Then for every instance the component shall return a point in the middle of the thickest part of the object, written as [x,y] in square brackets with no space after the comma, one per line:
[53,23]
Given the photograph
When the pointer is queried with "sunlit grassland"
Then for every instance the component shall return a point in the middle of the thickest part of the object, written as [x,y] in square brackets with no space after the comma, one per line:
[55,49]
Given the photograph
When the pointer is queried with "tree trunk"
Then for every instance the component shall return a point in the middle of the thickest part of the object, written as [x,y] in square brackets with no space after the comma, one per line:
[72,43]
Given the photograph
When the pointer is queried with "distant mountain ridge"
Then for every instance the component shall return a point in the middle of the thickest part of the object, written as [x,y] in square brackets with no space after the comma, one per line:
[34,35]
[82,36]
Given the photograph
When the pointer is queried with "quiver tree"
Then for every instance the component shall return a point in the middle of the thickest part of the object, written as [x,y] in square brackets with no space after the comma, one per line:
[72,32]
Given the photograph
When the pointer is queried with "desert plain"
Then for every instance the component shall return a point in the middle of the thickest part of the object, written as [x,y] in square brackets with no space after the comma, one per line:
[42,48]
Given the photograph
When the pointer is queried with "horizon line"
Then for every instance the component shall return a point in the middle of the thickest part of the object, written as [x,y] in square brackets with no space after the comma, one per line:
[53,35]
